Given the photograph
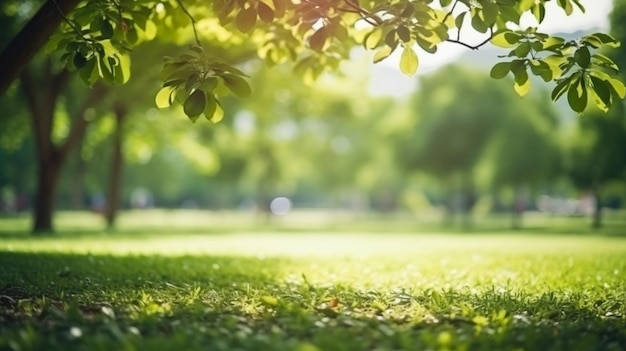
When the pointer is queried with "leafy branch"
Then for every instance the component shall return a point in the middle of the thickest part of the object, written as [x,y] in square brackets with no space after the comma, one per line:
[70,23]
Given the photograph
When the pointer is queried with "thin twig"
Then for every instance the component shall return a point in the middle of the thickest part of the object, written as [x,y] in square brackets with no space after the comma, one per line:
[67,20]
[473,47]
[449,12]
[119,10]
[193,21]
[365,15]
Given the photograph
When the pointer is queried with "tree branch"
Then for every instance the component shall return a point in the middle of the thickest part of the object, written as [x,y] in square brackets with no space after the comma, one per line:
[473,47]
[365,15]
[79,123]
[30,40]
[69,23]
[40,128]
[193,21]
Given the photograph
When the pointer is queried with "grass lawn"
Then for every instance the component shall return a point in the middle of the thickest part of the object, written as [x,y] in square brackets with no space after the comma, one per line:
[197,281]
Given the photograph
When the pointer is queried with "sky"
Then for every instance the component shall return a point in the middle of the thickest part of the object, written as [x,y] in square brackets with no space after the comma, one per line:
[386,78]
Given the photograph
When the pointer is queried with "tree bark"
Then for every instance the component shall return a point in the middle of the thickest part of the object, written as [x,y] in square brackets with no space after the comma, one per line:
[47,181]
[117,163]
[33,36]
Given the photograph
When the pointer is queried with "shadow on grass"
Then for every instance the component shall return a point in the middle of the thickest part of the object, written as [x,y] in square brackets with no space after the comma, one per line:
[70,302]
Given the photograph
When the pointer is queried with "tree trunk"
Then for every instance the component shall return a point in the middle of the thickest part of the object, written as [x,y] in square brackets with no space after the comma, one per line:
[20,51]
[518,209]
[41,97]
[49,168]
[597,213]
[117,163]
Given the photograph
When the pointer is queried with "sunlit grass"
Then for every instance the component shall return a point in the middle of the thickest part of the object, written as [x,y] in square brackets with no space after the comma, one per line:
[326,284]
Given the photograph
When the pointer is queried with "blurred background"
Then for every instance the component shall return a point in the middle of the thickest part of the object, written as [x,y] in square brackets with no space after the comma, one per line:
[450,146]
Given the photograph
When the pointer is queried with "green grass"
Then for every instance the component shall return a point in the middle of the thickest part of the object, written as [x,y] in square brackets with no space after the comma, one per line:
[192,281]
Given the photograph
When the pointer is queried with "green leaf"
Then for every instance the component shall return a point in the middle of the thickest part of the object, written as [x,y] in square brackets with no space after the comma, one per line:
[210,106]
[601,93]
[409,10]
[96,24]
[509,13]
[150,31]
[382,54]
[373,38]
[131,35]
[541,69]
[606,39]
[552,43]
[178,70]
[280,7]
[479,24]
[123,72]
[104,68]
[391,38]
[522,83]
[79,61]
[604,61]
[506,39]
[560,88]
[458,21]
[490,12]
[246,19]
[89,72]
[539,11]
[582,57]
[525,5]
[318,39]
[577,95]
[408,61]
[218,115]
[426,45]
[163,97]
[500,70]
[209,84]
[523,49]
[338,31]
[106,29]
[522,88]
[404,33]
[227,68]
[237,85]
[618,87]
[195,104]
[266,14]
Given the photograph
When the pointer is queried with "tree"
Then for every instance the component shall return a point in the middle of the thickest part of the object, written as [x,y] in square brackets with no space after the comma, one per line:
[598,154]
[42,93]
[456,140]
[97,37]
[524,153]
[451,131]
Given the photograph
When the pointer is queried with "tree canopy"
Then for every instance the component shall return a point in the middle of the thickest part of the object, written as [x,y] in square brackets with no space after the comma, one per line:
[96,37]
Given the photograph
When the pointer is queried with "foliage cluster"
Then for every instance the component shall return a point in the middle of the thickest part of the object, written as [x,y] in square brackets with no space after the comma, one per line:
[318,34]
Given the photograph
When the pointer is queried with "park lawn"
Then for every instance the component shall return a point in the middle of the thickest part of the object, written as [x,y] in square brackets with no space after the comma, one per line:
[284,288]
